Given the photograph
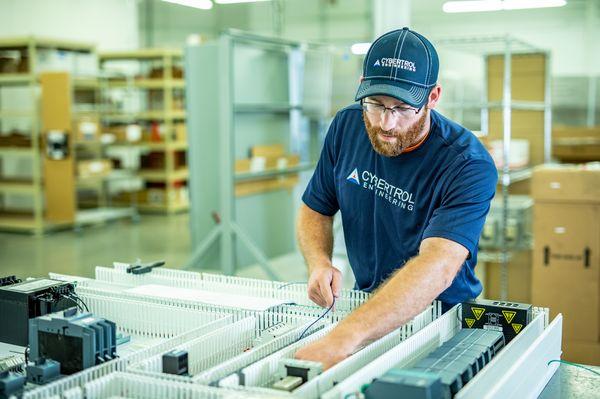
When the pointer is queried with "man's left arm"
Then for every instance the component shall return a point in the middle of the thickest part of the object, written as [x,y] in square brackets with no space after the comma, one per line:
[410,290]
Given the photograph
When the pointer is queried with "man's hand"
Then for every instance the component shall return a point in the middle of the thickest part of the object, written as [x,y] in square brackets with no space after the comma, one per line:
[324,283]
[328,351]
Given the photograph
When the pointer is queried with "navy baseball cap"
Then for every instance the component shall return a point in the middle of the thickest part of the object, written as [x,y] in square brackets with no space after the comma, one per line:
[401,64]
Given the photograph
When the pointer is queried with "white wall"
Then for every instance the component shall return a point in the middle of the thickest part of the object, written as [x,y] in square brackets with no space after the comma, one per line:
[571,33]
[112,24]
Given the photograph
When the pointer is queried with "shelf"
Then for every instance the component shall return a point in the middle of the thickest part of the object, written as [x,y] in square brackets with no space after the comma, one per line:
[155,208]
[491,256]
[514,104]
[17,114]
[17,187]
[24,41]
[101,215]
[21,151]
[148,84]
[264,108]
[140,54]
[179,145]
[163,176]
[27,223]
[153,146]
[86,83]
[245,176]
[148,115]
[515,175]
[16,78]
[17,222]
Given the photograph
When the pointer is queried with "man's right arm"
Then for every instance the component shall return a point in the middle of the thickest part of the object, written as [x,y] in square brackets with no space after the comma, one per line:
[315,237]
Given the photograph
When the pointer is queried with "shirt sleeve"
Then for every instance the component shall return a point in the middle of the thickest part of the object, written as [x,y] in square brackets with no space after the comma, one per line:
[320,194]
[465,205]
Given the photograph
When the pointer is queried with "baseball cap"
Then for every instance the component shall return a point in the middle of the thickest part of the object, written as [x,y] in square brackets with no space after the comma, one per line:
[401,64]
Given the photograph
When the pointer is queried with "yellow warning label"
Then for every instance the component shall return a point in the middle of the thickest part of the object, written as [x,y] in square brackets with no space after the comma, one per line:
[478,312]
[509,315]
[517,327]
[470,322]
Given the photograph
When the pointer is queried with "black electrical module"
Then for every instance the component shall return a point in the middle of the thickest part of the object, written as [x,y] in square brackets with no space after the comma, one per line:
[21,301]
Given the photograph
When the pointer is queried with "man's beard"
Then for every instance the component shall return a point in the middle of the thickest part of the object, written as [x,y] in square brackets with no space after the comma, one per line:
[404,137]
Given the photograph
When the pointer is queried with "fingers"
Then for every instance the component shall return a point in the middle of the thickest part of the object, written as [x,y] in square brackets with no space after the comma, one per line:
[336,283]
[314,291]
[326,293]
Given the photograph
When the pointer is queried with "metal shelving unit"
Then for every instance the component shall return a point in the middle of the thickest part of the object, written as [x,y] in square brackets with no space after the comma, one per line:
[231,107]
[507,46]
[30,49]
[167,116]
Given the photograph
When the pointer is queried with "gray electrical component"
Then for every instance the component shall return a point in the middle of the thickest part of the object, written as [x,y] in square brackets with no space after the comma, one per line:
[444,371]
[43,371]
[415,384]
[11,384]
[175,362]
[76,340]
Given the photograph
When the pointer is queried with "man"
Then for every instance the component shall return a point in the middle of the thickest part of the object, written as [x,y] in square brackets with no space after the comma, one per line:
[413,189]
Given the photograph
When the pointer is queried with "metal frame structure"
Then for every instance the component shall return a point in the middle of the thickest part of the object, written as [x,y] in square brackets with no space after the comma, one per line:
[507,46]
[35,188]
[228,228]
[166,84]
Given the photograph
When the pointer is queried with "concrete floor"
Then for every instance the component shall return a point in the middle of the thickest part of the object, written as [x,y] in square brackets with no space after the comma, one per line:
[153,238]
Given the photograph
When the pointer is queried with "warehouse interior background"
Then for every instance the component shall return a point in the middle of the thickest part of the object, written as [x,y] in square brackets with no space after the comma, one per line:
[114,147]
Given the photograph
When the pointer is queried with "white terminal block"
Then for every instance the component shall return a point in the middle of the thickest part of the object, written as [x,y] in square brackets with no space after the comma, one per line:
[273,332]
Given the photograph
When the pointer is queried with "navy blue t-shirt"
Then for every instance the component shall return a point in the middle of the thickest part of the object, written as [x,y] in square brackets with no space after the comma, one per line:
[389,205]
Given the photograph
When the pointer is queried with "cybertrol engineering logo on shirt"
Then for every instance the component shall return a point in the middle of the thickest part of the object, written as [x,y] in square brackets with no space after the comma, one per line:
[382,189]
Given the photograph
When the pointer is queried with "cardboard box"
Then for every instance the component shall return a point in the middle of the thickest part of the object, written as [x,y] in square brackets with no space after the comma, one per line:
[268,151]
[581,352]
[518,156]
[86,128]
[566,266]
[158,196]
[519,278]
[566,183]
[528,73]
[180,134]
[94,168]
[576,149]
[262,163]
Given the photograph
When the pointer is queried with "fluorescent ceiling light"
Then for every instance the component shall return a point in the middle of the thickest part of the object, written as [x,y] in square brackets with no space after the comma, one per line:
[237,1]
[521,4]
[201,4]
[498,5]
[360,48]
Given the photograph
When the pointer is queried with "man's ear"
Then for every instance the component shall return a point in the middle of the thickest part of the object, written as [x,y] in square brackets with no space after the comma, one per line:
[434,96]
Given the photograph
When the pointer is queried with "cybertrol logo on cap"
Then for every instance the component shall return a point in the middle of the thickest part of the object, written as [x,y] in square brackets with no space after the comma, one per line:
[396,63]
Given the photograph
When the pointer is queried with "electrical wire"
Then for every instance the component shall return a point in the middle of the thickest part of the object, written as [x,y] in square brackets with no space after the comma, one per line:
[319,318]
[74,295]
[573,364]
[292,283]
[79,307]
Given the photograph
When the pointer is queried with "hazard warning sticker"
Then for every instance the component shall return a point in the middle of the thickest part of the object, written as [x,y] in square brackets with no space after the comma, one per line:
[478,312]
[469,322]
[509,315]
[517,327]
